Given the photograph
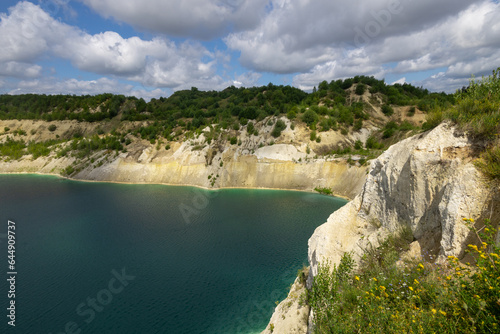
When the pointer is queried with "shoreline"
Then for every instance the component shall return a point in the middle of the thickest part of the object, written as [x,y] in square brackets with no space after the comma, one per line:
[169,184]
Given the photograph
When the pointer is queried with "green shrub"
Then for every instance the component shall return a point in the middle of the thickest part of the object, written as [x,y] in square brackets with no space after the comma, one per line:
[489,163]
[52,127]
[358,125]
[14,149]
[360,89]
[372,143]
[233,140]
[278,127]
[324,191]
[387,110]
[310,117]
[433,119]
[382,296]
[312,136]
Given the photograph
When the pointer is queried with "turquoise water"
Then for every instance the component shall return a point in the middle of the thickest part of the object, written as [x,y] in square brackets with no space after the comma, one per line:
[115,258]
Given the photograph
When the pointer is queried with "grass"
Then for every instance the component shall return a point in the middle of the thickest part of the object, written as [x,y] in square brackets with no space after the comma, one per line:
[477,112]
[385,296]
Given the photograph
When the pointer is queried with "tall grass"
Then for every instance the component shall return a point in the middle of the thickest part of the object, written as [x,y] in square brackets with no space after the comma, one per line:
[386,296]
[477,108]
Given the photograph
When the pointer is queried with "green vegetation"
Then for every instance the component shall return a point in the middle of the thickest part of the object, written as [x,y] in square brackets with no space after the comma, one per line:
[477,111]
[386,296]
[278,127]
[478,107]
[387,110]
[324,191]
[217,114]
[13,149]
[360,89]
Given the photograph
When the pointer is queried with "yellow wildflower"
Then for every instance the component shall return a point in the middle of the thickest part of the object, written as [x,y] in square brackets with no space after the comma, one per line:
[374,279]
[433,311]
[415,280]
[357,278]
[410,288]
[442,312]
[421,265]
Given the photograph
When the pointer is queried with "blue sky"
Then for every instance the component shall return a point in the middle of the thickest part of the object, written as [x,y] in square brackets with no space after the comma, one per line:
[151,48]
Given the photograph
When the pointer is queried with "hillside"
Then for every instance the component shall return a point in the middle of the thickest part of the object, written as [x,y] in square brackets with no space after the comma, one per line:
[418,249]
[194,137]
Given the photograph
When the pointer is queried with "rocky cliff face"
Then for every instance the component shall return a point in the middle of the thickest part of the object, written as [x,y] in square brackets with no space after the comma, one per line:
[427,182]
[287,162]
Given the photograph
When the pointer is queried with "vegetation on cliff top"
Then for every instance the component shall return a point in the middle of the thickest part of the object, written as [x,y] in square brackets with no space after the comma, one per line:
[187,114]
[386,295]
[477,111]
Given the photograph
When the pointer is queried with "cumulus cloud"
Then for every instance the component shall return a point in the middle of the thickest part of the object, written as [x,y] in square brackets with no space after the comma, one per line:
[465,42]
[28,34]
[312,31]
[314,40]
[80,87]
[203,19]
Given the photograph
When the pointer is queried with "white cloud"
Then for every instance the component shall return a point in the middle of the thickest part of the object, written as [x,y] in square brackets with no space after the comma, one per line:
[20,70]
[203,19]
[467,42]
[80,87]
[298,35]
[29,34]
[399,81]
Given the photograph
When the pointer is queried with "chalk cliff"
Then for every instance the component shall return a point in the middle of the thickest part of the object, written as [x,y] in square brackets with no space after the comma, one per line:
[427,182]
[287,162]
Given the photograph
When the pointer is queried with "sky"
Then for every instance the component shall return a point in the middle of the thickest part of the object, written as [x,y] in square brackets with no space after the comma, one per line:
[152,48]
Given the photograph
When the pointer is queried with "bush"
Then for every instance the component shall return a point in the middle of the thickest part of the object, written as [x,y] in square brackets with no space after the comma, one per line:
[433,119]
[324,191]
[52,127]
[489,163]
[372,143]
[387,110]
[312,136]
[478,107]
[418,297]
[411,112]
[360,89]
[278,127]
[310,117]
[233,140]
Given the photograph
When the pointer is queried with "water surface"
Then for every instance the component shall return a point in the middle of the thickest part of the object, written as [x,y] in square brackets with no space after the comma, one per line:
[201,261]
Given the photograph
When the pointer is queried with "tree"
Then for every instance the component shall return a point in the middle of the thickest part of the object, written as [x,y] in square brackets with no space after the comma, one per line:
[310,117]
[360,89]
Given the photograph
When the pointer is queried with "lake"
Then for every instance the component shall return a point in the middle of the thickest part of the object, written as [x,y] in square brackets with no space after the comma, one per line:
[119,258]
